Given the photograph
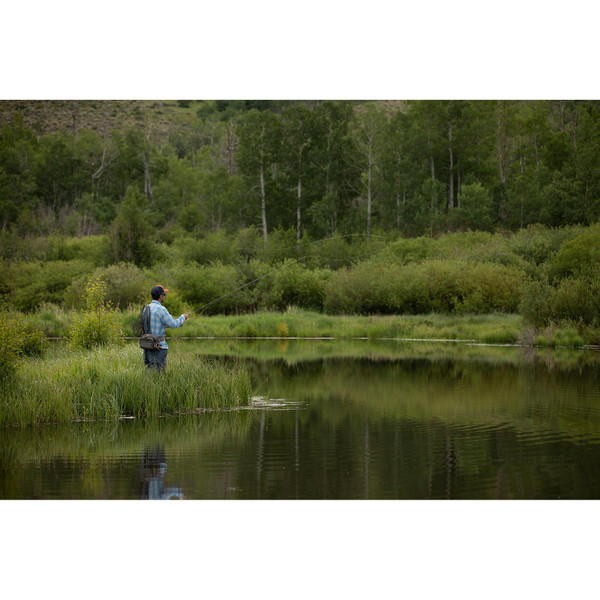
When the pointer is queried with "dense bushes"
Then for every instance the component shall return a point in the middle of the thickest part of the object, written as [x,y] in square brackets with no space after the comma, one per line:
[579,256]
[126,285]
[201,284]
[469,272]
[27,285]
[431,286]
[293,284]
[571,300]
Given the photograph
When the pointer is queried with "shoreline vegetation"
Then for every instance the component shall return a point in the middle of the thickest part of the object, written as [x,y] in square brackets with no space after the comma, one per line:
[110,382]
[537,287]
[494,328]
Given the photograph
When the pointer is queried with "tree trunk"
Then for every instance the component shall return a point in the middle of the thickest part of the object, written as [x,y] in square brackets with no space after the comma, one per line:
[263,203]
[299,211]
[450,170]
[230,147]
[147,180]
[502,147]
[369,191]
[433,195]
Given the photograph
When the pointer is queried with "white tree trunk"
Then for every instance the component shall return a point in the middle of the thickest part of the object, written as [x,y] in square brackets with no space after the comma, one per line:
[263,203]
[450,170]
[299,211]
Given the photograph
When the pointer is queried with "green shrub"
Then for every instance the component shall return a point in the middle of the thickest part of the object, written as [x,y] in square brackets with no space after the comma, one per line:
[431,286]
[52,320]
[538,243]
[10,345]
[94,249]
[18,336]
[100,324]
[294,284]
[579,256]
[175,304]
[131,238]
[535,302]
[202,284]
[12,246]
[211,248]
[33,340]
[33,283]
[334,253]
[573,300]
[126,284]
[475,208]
[411,250]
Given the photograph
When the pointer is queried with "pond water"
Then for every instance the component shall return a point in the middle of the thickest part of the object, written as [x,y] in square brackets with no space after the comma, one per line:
[342,420]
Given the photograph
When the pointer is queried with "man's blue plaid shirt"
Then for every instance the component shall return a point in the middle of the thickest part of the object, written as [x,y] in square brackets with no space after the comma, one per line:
[160,319]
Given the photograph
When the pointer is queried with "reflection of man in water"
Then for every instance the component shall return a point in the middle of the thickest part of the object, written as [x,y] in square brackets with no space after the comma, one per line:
[154,466]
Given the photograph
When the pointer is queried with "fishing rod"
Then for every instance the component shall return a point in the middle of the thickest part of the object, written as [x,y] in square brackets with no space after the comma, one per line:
[287,264]
[292,262]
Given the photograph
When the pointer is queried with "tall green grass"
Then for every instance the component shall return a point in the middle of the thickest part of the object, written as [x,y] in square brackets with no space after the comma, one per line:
[496,328]
[107,383]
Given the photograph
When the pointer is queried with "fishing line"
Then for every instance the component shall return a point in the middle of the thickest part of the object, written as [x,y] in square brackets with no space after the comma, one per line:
[287,264]
[327,239]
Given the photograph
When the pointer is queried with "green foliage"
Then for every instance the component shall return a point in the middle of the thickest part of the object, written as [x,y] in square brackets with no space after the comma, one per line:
[212,247]
[294,284]
[125,284]
[201,284]
[576,300]
[10,345]
[175,304]
[579,256]
[449,287]
[132,238]
[572,300]
[92,248]
[476,209]
[18,336]
[30,284]
[537,243]
[535,302]
[99,324]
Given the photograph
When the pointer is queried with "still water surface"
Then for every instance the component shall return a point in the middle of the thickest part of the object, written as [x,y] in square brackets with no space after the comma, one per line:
[342,420]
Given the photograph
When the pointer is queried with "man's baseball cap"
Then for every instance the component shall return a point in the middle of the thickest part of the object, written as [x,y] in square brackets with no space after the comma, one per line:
[158,290]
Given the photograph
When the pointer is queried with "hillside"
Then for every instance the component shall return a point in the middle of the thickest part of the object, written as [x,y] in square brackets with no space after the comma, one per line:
[166,116]
[50,116]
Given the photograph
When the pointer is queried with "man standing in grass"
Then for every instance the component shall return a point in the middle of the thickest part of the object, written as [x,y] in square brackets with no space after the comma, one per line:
[160,319]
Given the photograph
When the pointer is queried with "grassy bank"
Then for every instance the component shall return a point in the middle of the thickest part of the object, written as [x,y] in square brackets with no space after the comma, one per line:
[495,328]
[108,383]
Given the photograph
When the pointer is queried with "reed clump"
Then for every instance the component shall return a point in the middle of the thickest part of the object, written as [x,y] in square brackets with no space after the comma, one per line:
[110,382]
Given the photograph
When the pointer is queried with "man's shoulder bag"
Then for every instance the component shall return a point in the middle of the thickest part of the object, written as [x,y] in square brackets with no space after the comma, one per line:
[149,341]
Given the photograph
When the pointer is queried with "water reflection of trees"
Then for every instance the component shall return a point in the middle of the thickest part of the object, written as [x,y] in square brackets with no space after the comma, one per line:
[411,428]
[307,457]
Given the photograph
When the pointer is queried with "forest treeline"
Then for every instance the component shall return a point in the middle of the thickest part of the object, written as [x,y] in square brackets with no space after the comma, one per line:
[339,207]
[315,168]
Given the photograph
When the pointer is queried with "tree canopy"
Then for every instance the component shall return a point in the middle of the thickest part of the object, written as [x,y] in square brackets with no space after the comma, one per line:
[314,168]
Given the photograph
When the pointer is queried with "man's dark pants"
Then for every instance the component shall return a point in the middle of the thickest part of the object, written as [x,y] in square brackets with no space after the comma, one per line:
[155,359]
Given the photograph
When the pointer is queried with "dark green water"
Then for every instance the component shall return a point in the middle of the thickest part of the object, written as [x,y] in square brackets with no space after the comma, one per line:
[343,420]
